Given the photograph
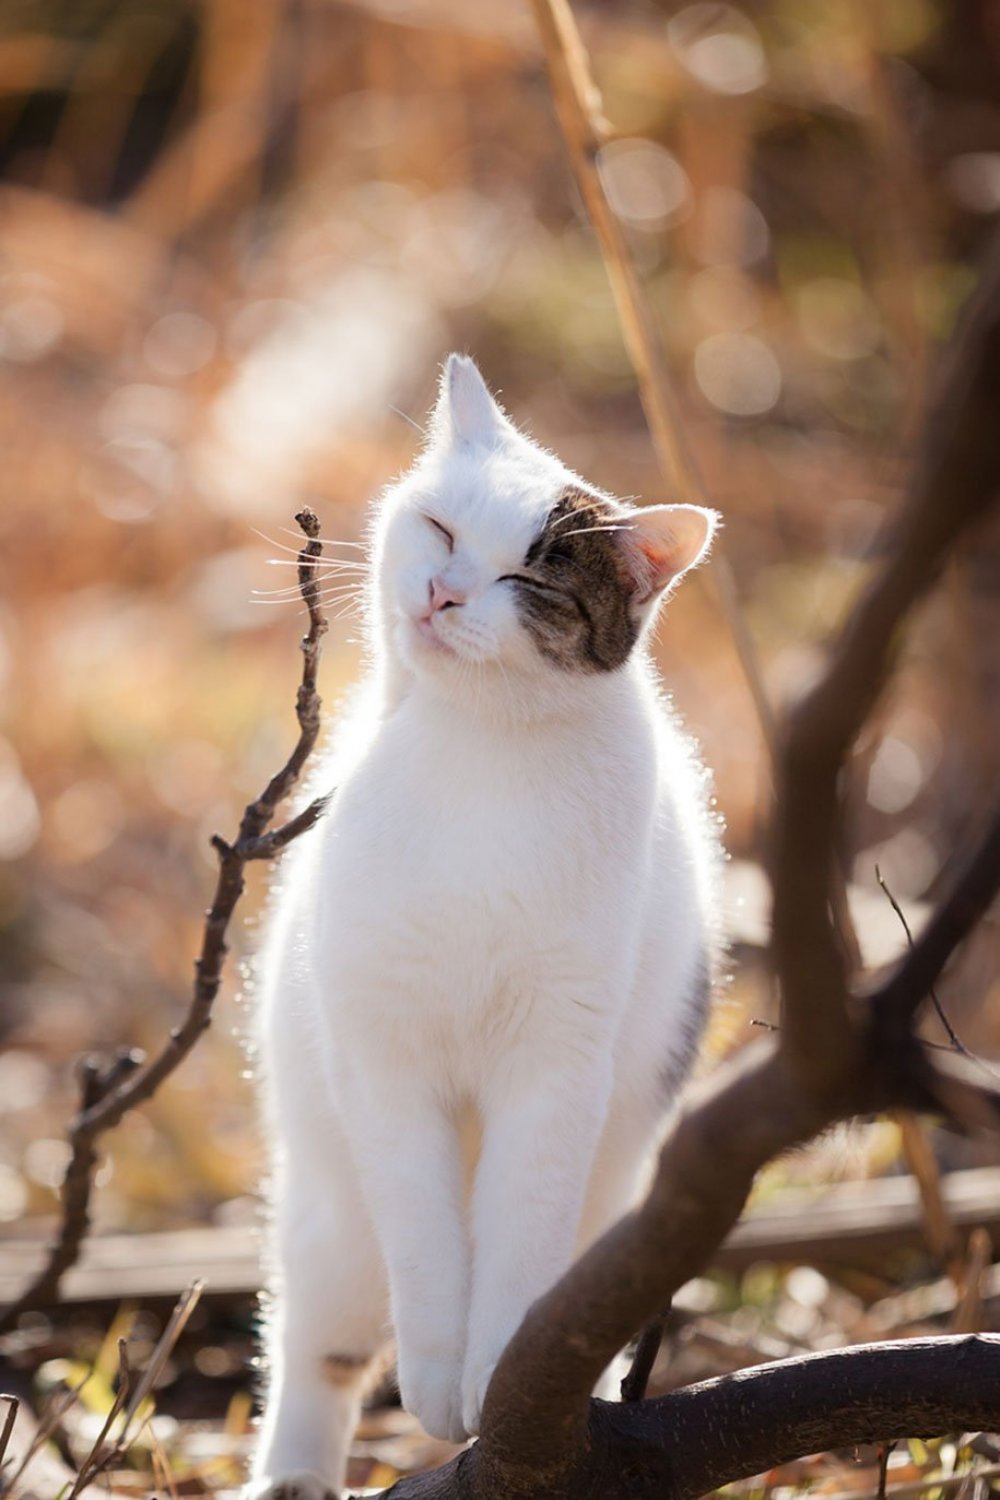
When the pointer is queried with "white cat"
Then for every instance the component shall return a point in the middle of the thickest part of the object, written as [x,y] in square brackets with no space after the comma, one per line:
[489,968]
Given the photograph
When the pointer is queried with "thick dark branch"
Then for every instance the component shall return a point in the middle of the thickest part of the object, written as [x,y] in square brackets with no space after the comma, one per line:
[970,897]
[697,1439]
[109,1093]
[739,1425]
[955,480]
[749,1111]
[825,1064]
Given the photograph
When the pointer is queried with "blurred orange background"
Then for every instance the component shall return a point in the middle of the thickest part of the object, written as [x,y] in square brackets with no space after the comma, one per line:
[237,240]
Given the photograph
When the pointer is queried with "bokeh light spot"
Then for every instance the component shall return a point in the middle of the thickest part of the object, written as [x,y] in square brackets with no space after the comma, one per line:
[730,229]
[720,47]
[13,1194]
[20,819]
[737,373]
[85,819]
[179,344]
[45,1161]
[30,327]
[645,184]
[974,180]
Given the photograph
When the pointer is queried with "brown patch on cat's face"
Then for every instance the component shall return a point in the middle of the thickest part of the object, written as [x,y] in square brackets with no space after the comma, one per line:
[574,589]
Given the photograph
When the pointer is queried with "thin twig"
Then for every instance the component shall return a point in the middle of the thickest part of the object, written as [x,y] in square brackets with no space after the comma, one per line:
[56,1410]
[884,1452]
[578,108]
[914,1488]
[956,1043]
[968,1315]
[108,1092]
[165,1345]
[939,1229]
[13,1406]
[132,1393]
[953,1036]
[100,1455]
[647,1347]
[937,1223]
[971,894]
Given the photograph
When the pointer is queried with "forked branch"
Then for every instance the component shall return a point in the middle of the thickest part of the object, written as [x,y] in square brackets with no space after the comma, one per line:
[110,1090]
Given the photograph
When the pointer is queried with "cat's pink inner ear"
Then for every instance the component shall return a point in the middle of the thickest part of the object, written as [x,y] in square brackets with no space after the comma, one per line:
[472,414]
[669,540]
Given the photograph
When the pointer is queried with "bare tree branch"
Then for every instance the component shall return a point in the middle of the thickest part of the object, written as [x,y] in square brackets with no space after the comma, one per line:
[969,898]
[647,1347]
[826,1063]
[737,1426]
[694,1440]
[749,1111]
[954,482]
[942,1014]
[108,1092]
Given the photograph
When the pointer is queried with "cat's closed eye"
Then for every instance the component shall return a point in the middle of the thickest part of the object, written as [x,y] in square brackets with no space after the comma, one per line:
[448,536]
[540,585]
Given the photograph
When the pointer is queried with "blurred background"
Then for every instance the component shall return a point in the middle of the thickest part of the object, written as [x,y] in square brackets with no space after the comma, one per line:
[236,241]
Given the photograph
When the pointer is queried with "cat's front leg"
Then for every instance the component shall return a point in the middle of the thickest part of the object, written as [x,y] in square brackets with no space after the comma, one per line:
[408,1153]
[540,1136]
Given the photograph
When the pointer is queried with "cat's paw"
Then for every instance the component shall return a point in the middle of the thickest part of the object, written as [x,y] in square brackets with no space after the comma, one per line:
[302,1485]
[431,1391]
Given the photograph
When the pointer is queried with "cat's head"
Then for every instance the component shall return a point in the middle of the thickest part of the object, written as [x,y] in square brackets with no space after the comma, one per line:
[490,552]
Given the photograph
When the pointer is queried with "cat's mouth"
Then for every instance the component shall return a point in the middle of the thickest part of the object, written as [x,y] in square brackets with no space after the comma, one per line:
[423,628]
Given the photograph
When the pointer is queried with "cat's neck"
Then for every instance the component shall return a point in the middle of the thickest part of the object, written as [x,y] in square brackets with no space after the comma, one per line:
[498,704]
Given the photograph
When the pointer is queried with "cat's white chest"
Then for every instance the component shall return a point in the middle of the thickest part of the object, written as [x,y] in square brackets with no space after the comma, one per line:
[459,872]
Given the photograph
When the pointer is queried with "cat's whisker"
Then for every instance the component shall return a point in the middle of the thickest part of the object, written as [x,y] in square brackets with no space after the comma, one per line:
[348,599]
[328,541]
[326,561]
[323,595]
[334,596]
[505,676]
[345,604]
[294,599]
[337,564]
[580,513]
[587,530]
[349,608]
[292,589]
[415,425]
[291,599]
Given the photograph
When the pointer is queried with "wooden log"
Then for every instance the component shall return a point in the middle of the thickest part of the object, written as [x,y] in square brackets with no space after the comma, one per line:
[846,1224]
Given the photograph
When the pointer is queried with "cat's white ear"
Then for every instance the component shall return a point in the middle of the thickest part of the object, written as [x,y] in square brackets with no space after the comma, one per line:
[466,411]
[667,540]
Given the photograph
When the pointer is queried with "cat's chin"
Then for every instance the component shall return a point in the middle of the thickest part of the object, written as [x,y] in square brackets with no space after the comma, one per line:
[421,645]
[424,633]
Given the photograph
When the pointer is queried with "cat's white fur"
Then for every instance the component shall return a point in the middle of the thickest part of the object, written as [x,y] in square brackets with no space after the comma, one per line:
[482,975]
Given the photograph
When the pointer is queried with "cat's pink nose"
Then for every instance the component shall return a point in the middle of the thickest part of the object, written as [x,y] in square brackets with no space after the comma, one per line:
[445,595]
